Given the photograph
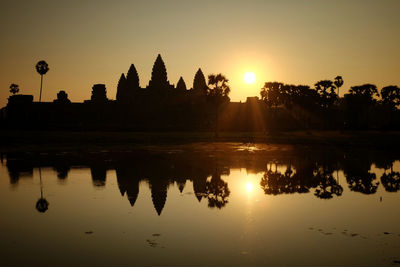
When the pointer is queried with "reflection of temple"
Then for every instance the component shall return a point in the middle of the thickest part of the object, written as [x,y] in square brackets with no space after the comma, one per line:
[159,188]
[18,169]
[302,172]
[160,172]
[128,184]
[199,187]
[99,174]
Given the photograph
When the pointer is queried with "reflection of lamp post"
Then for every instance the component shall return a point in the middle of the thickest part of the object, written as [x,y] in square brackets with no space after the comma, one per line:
[41,205]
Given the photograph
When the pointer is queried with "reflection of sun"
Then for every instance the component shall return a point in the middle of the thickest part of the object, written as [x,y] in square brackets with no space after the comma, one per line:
[249,187]
[249,77]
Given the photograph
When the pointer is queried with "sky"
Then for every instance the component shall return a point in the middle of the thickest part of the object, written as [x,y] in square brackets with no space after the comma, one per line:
[296,42]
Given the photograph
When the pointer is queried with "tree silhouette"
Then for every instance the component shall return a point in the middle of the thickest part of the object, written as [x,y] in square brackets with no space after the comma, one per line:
[271,94]
[304,96]
[287,94]
[391,95]
[326,91]
[338,83]
[14,88]
[181,85]
[199,82]
[367,91]
[218,87]
[359,102]
[217,93]
[42,68]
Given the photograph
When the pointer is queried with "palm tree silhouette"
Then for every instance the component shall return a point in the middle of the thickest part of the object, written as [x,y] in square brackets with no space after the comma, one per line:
[42,68]
[338,83]
[326,91]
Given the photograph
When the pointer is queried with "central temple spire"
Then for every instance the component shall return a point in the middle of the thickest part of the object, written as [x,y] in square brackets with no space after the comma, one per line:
[159,80]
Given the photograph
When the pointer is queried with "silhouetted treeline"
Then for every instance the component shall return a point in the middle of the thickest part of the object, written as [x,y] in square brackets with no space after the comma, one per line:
[300,171]
[363,107]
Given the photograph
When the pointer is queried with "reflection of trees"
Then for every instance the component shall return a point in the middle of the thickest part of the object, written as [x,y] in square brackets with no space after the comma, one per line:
[217,191]
[362,182]
[391,181]
[307,175]
[327,185]
[304,176]
[358,176]
[275,183]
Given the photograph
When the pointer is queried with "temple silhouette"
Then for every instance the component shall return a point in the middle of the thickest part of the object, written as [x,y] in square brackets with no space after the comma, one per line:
[159,106]
[165,106]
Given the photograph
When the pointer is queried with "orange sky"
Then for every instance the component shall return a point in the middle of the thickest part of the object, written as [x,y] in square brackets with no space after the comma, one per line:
[300,42]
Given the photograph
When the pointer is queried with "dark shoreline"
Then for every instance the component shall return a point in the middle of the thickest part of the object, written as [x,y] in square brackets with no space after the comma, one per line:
[53,140]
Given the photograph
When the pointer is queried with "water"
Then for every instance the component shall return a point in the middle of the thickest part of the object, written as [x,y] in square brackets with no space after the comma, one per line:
[200,205]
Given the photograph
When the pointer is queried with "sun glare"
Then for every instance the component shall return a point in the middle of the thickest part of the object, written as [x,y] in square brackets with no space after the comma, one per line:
[249,77]
[249,187]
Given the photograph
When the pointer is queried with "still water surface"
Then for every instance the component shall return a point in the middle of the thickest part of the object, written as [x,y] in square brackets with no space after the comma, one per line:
[200,205]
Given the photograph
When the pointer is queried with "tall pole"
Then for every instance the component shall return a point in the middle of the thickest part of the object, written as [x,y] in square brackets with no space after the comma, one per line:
[41,83]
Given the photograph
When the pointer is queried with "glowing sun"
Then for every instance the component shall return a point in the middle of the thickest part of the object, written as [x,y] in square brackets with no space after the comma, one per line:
[249,77]
[249,187]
